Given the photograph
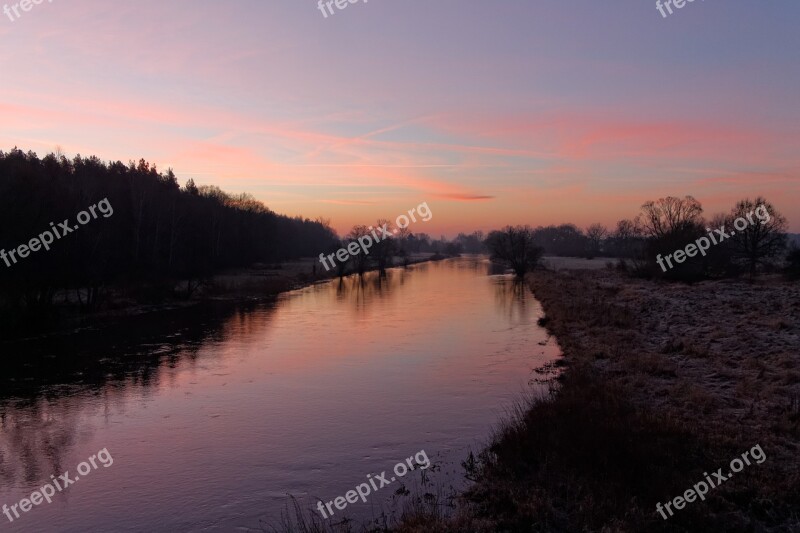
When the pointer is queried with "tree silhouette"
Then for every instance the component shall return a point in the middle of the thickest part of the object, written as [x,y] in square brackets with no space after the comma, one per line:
[514,246]
[595,234]
[763,239]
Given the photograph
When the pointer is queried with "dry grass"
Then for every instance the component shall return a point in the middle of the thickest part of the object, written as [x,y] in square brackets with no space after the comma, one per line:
[583,459]
[720,358]
[663,383]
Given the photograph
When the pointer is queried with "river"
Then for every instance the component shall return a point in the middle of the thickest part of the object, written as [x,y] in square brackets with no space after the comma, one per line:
[214,414]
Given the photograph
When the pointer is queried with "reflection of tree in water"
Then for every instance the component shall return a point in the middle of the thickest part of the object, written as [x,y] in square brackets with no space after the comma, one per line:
[511,296]
[34,437]
[371,287]
[496,269]
[477,263]
[51,385]
[362,290]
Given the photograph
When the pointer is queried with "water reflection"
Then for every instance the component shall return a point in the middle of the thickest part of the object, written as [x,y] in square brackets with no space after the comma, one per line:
[511,297]
[49,385]
[34,437]
[303,395]
[361,290]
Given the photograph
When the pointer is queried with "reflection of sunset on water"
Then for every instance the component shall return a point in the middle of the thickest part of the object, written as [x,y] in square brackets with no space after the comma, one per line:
[338,377]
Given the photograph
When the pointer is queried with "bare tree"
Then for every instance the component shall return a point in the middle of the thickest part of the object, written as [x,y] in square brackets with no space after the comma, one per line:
[383,251]
[629,235]
[361,260]
[629,243]
[670,215]
[669,224]
[402,237]
[627,229]
[596,234]
[514,246]
[760,233]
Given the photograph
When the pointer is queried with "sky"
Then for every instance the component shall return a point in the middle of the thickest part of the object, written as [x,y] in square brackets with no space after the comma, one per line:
[494,113]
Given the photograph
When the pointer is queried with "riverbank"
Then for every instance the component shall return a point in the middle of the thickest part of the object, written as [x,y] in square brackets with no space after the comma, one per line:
[243,285]
[259,281]
[661,384]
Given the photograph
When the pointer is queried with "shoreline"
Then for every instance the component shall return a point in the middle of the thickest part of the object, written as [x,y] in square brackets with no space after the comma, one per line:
[236,286]
[652,394]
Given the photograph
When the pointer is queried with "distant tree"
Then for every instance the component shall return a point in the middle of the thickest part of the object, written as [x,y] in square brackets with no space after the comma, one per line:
[402,244]
[564,240]
[342,266]
[361,260]
[719,261]
[453,249]
[472,243]
[595,234]
[191,188]
[425,243]
[628,238]
[761,238]
[627,229]
[670,216]
[669,224]
[514,246]
[385,249]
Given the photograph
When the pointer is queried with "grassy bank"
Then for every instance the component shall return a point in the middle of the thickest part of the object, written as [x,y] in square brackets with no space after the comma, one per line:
[662,383]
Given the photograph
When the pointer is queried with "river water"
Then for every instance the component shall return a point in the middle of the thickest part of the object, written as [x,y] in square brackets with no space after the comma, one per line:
[214,414]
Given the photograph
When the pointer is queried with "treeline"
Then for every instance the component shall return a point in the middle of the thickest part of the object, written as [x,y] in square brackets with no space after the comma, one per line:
[568,240]
[385,253]
[670,237]
[472,243]
[159,232]
[749,239]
